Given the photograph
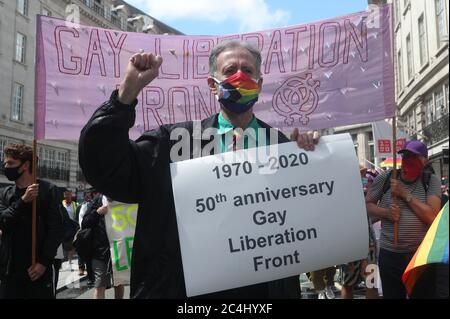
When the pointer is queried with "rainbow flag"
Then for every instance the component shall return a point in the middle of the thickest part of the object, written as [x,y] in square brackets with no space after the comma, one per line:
[433,249]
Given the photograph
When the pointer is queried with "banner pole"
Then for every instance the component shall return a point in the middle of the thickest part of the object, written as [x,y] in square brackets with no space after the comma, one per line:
[394,172]
[34,214]
[377,167]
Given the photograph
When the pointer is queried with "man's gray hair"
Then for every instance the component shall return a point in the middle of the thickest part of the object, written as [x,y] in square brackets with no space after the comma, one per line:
[233,44]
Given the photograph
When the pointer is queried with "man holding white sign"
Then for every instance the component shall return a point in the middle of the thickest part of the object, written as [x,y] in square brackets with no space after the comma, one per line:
[139,171]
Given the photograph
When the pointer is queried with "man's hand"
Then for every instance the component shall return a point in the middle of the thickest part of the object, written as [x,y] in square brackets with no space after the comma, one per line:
[141,70]
[398,189]
[305,140]
[36,271]
[103,210]
[31,193]
[393,213]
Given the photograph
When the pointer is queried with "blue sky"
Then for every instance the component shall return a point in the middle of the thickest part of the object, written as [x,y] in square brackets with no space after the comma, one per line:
[212,17]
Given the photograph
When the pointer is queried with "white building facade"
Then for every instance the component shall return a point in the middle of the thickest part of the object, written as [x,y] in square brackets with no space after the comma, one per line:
[421,79]
[422,96]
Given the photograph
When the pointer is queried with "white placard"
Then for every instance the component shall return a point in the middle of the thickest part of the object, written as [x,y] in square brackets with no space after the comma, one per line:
[239,225]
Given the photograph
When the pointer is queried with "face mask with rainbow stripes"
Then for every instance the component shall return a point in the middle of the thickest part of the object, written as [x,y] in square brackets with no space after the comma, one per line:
[238,93]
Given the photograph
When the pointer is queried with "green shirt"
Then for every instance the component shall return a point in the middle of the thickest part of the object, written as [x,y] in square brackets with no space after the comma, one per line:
[226,132]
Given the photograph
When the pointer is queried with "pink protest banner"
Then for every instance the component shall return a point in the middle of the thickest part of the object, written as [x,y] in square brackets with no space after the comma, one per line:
[319,75]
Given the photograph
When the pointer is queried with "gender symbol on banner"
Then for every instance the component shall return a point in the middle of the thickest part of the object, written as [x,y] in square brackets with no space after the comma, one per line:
[296,96]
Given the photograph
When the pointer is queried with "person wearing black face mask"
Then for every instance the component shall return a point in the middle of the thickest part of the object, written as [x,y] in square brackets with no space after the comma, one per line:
[13,173]
[20,279]
[418,203]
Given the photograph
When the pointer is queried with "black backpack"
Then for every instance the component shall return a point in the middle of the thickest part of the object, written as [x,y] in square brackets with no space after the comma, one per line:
[84,238]
[70,227]
[83,243]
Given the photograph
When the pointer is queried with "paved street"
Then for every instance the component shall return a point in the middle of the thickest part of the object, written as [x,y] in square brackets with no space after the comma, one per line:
[72,286]
[308,291]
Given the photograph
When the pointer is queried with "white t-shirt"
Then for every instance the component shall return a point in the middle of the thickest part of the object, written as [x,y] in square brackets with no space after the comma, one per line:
[83,210]
[59,252]
[71,209]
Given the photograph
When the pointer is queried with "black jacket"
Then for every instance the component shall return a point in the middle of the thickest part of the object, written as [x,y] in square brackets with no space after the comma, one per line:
[96,222]
[15,223]
[139,172]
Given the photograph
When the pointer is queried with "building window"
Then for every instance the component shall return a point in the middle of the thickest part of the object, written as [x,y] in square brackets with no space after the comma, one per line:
[409,57]
[429,109]
[20,47]
[46,12]
[446,98]
[123,23]
[411,123]
[98,8]
[115,19]
[441,24]
[46,157]
[62,159]
[22,7]
[53,163]
[439,99]
[108,12]
[422,41]
[88,3]
[436,104]
[17,105]
[399,72]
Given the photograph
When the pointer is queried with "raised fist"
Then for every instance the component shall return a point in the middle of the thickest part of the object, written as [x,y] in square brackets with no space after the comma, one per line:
[141,70]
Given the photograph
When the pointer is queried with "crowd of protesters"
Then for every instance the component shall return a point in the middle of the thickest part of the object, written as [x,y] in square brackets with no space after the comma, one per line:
[19,281]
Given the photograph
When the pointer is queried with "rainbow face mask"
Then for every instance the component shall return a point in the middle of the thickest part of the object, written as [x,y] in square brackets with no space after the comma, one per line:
[238,93]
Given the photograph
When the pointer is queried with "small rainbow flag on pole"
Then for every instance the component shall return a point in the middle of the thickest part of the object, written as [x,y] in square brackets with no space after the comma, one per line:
[433,249]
